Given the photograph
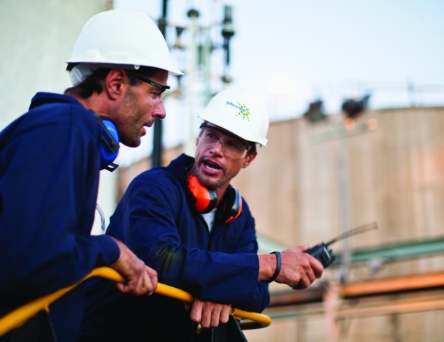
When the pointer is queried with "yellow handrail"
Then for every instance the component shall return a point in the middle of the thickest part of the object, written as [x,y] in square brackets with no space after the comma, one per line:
[20,315]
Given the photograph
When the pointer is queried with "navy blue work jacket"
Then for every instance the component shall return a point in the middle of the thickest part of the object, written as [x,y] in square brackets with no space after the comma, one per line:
[157,219]
[49,175]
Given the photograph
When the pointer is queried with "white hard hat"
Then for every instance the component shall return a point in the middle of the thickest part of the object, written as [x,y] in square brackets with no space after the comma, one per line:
[125,38]
[241,112]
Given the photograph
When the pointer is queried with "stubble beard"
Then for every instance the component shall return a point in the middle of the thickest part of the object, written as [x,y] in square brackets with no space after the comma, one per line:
[132,118]
[212,184]
[205,182]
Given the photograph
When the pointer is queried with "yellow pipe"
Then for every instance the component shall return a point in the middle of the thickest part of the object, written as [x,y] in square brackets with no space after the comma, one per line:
[20,315]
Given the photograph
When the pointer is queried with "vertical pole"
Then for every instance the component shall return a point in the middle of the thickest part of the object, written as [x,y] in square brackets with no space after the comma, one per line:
[227,33]
[344,182]
[191,84]
[156,156]
[331,304]
[411,92]
[206,55]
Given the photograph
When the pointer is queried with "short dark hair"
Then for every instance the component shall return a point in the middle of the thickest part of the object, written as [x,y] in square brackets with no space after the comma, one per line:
[252,149]
[93,83]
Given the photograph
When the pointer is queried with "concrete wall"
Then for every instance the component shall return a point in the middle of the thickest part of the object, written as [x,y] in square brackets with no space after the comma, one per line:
[396,178]
[37,36]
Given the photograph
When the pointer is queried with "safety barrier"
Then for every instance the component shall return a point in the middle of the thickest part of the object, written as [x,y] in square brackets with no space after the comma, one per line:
[20,315]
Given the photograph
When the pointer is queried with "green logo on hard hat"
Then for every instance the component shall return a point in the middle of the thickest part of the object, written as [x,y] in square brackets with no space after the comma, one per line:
[243,110]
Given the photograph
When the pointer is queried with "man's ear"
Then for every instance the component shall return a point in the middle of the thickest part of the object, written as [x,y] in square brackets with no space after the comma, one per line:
[115,83]
[249,159]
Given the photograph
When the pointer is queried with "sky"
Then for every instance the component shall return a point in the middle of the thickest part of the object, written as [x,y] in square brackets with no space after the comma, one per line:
[294,52]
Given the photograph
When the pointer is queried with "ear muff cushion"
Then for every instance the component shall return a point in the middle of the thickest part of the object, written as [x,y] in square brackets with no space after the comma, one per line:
[231,205]
[109,142]
[205,200]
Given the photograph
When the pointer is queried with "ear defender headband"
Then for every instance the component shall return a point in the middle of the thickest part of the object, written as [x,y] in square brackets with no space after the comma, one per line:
[231,205]
[205,200]
[109,144]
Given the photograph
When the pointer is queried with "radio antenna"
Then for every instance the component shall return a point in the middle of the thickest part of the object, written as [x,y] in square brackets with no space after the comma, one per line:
[354,231]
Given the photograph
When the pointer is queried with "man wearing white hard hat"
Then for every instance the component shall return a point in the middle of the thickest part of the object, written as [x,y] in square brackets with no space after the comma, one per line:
[188,223]
[50,160]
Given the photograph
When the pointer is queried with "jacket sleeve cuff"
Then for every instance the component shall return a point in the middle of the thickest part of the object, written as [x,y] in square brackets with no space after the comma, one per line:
[109,248]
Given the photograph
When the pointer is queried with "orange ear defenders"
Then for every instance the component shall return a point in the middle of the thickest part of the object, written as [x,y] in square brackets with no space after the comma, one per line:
[206,199]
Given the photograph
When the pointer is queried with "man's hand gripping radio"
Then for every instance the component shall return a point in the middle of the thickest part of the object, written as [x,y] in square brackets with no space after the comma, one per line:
[325,255]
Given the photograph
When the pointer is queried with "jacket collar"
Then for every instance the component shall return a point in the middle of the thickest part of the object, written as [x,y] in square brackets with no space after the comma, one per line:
[180,166]
[42,98]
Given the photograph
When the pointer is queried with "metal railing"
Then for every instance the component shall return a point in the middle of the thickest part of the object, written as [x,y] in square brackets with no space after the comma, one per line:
[20,315]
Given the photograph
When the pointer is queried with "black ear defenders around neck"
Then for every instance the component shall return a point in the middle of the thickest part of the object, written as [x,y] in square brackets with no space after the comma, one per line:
[205,200]
[109,144]
[231,205]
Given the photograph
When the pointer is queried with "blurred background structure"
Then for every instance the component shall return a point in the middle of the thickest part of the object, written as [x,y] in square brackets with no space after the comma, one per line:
[356,98]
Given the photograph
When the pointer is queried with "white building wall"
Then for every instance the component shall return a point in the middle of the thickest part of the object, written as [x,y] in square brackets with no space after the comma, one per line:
[36,37]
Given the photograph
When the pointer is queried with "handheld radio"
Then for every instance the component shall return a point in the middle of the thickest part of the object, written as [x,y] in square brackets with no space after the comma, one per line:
[325,255]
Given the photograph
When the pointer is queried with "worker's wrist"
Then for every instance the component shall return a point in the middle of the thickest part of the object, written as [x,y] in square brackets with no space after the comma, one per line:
[270,267]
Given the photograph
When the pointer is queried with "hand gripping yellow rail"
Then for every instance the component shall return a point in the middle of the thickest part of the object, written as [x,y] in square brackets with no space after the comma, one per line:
[20,315]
